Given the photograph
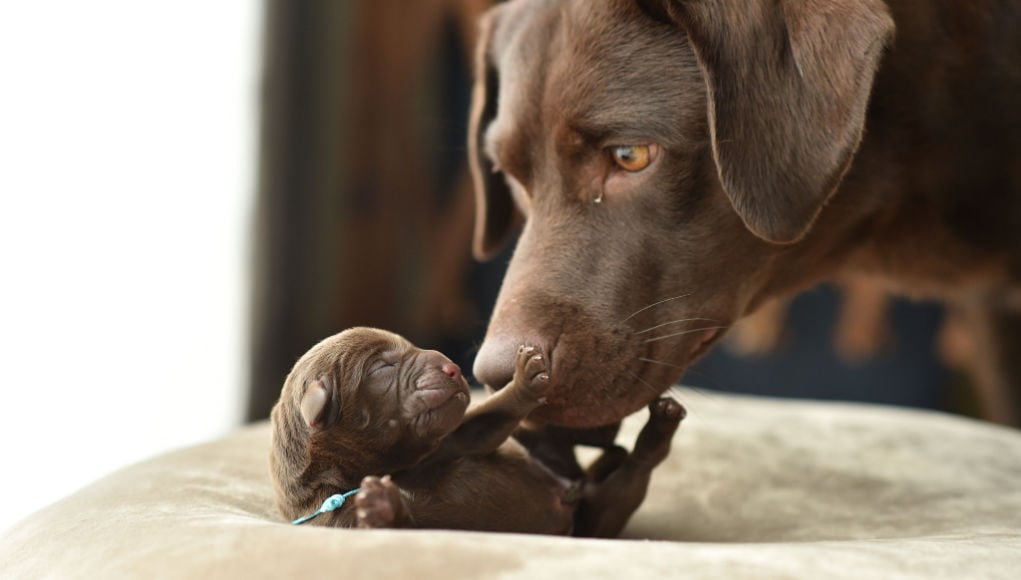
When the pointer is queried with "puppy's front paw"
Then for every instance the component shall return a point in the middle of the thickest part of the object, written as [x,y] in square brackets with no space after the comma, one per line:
[532,372]
[668,410]
[653,444]
[377,503]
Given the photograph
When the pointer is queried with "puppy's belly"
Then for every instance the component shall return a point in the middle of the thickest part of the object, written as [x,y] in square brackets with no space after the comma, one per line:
[504,491]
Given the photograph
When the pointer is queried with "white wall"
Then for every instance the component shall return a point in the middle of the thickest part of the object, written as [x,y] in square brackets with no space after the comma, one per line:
[127,164]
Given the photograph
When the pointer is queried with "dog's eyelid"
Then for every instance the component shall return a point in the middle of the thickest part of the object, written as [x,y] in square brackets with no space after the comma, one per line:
[602,134]
[383,361]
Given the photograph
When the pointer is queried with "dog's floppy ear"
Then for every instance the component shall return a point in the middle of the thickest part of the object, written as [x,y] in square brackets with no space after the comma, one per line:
[495,214]
[318,404]
[788,84]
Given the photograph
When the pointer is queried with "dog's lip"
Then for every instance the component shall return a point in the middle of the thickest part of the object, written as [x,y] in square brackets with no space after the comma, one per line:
[435,398]
[440,382]
[438,390]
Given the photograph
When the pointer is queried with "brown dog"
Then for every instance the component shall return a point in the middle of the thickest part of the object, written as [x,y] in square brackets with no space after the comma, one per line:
[366,402]
[677,163]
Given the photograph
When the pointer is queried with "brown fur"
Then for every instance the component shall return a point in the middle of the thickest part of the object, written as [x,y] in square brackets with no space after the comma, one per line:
[799,141]
[366,403]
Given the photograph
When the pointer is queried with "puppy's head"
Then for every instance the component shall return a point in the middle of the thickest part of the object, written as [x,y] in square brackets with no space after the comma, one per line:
[361,402]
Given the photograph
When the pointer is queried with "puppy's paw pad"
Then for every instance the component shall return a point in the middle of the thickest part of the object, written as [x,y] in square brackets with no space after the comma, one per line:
[375,504]
[533,369]
[667,409]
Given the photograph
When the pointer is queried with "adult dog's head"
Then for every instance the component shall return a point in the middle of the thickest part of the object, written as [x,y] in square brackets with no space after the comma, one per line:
[661,155]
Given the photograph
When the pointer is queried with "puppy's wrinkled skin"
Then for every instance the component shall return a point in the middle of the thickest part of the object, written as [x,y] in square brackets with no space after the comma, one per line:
[790,142]
[366,408]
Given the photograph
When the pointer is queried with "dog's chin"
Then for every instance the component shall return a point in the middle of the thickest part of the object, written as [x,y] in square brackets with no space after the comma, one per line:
[594,399]
[444,407]
[594,395]
[580,416]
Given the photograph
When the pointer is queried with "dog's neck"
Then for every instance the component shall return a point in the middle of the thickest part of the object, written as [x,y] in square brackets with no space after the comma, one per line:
[927,204]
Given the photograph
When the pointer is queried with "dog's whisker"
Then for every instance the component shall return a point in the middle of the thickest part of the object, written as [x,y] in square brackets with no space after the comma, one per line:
[659,362]
[672,390]
[675,388]
[641,310]
[683,332]
[716,384]
[653,389]
[676,392]
[676,322]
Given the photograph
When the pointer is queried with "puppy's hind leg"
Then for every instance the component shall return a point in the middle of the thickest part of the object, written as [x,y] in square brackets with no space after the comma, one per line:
[608,504]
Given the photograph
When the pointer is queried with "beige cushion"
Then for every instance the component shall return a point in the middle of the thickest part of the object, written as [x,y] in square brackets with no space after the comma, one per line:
[754,488]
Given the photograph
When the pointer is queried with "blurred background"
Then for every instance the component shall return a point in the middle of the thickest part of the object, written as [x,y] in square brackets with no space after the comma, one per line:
[128,168]
[194,193]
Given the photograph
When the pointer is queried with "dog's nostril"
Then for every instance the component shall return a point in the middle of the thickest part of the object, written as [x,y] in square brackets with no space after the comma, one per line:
[451,370]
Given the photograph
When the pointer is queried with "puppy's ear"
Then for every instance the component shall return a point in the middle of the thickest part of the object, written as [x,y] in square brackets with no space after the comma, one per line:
[318,407]
[788,84]
[495,214]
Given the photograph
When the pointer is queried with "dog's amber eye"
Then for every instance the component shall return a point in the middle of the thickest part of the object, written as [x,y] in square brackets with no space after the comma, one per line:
[632,157]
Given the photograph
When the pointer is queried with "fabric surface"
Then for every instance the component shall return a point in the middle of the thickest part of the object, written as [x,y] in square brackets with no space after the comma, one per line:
[755,488]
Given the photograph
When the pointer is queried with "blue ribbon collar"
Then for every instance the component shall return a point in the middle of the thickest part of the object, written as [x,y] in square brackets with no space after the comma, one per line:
[333,502]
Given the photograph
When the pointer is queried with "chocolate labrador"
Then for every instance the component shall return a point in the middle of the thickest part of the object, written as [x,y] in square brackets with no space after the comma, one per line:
[673,164]
[367,403]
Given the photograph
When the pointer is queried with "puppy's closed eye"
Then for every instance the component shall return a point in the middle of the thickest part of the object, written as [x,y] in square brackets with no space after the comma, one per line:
[381,365]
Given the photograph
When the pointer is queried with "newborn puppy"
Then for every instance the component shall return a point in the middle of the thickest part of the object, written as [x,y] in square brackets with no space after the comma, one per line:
[367,403]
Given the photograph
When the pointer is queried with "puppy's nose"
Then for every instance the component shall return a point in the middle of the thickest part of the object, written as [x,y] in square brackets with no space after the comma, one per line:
[494,365]
[451,370]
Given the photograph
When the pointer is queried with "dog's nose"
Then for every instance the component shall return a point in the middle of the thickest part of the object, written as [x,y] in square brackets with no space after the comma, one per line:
[451,370]
[436,359]
[494,365]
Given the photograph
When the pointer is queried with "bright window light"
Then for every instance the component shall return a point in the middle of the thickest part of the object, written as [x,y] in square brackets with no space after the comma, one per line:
[127,151]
